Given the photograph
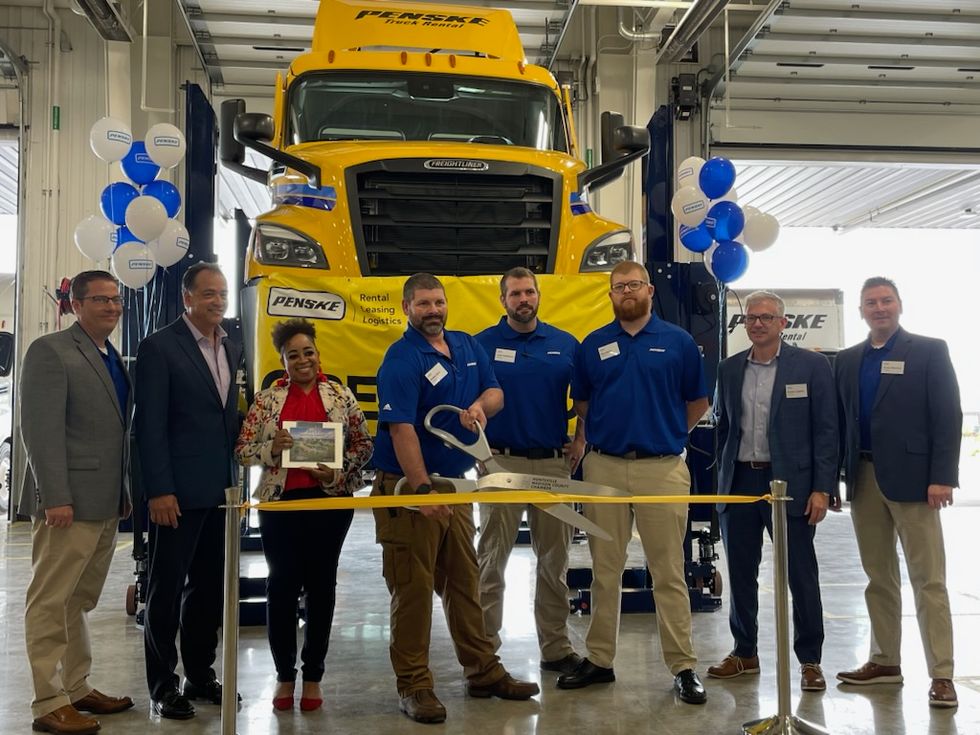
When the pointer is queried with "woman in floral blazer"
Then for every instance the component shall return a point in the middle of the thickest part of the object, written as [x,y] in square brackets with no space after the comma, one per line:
[302,548]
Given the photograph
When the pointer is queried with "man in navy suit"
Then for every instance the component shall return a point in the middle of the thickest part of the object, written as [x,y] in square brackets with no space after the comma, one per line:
[901,419]
[186,427]
[777,418]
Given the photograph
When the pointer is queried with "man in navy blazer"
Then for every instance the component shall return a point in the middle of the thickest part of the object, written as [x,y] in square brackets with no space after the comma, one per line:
[901,422]
[186,426]
[776,416]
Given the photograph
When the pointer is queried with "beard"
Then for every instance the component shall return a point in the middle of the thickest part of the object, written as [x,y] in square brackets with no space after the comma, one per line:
[429,325]
[632,308]
[523,316]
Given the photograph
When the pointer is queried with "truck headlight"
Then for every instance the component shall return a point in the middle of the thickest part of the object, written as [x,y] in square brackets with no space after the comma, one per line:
[606,251]
[278,245]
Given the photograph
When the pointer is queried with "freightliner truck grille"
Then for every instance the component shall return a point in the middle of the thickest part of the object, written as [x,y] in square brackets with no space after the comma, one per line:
[408,217]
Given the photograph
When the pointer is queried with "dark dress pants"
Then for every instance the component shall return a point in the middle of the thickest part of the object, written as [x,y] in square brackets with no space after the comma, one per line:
[185,590]
[302,549]
[741,530]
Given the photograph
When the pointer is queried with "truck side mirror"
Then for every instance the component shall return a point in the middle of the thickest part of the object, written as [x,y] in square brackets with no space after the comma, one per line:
[609,122]
[231,151]
[6,353]
[629,139]
[254,126]
[620,145]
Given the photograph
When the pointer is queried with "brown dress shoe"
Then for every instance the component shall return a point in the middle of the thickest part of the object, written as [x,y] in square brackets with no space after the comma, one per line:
[942,693]
[872,673]
[66,720]
[811,678]
[733,666]
[422,706]
[506,688]
[102,704]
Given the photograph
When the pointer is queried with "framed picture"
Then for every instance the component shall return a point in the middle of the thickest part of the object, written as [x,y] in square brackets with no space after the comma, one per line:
[314,442]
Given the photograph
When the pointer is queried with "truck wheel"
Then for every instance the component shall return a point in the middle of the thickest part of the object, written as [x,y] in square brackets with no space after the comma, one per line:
[4,477]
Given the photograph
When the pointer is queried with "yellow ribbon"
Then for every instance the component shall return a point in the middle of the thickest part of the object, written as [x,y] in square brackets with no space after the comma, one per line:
[505,496]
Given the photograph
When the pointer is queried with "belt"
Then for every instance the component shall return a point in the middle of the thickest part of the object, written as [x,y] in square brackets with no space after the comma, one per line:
[633,454]
[757,465]
[532,453]
[866,455]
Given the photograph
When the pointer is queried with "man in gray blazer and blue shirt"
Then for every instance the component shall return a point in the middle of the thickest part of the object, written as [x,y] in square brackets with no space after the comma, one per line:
[902,422]
[777,419]
[76,403]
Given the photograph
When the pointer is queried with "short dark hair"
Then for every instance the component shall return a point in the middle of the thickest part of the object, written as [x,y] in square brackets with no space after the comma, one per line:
[516,272]
[79,284]
[417,281]
[285,331]
[190,275]
[876,281]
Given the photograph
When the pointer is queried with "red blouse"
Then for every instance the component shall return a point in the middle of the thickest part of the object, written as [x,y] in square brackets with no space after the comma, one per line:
[302,406]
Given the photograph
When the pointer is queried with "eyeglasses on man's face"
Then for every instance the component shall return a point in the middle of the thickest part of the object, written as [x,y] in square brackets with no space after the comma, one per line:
[766,319]
[104,300]
[628,286]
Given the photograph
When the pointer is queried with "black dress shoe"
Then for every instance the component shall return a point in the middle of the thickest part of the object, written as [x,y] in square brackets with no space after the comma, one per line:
[586,673]
[565,665]
[689,688]
[172,705]
[210,692]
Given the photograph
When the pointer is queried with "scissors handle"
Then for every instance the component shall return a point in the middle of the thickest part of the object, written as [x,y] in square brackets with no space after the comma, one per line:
[479,449]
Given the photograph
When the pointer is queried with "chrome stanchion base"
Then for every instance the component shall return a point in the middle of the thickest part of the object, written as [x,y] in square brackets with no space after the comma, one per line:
[785,725]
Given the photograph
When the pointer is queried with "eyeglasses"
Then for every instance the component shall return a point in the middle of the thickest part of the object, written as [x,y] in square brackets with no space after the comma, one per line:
[628,286]
[104,300]
[766,319]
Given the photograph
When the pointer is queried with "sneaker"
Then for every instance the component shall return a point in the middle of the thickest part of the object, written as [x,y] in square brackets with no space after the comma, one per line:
[872,673]
[942,693]
[733,666]
[811,678]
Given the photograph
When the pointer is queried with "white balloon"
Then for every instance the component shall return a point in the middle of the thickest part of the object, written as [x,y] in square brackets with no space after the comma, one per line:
[165,145]
[730,196]
[94,237]
[146,217]
[749,211]
[172,245]
[110,139]
[689,171]
[689,205]
[761,231]
[134,264]
[707,258]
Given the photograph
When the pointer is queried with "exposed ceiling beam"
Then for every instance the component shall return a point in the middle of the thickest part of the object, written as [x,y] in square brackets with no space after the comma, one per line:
[691,27]
[886,17]
[267,19]
[830,82]
[865,40]
[772,58]
[745,43]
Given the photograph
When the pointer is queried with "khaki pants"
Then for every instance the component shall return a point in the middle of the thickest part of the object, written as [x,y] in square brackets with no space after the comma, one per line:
[424,555]
[549,539]
[69,569]
[878,522]
[662,529]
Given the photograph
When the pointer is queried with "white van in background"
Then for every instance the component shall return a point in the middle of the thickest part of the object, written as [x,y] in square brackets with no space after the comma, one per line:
[7,289]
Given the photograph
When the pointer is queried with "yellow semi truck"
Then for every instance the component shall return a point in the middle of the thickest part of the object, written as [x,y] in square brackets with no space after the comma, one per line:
[417,138]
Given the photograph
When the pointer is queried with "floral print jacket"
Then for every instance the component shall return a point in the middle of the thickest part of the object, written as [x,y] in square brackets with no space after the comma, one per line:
[254,445]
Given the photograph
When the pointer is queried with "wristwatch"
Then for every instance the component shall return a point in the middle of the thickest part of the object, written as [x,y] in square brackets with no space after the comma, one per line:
[423,489]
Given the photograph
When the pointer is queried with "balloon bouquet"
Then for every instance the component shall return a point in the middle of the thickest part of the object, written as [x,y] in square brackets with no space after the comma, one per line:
[706,206]
[137,229]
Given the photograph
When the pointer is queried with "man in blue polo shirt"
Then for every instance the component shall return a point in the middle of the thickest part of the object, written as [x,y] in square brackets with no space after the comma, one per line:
[533,362]
[431,549]
[639,386]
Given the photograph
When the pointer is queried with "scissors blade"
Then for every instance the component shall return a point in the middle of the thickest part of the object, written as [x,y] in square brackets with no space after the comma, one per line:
[520,481]
[567,514]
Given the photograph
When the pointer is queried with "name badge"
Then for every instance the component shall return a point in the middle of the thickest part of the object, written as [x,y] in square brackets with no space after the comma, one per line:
[893,367]
[436,373]
[502,355]
[796,390]
[609,350]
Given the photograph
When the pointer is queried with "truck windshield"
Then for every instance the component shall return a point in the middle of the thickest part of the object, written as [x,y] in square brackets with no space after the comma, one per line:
[430,107]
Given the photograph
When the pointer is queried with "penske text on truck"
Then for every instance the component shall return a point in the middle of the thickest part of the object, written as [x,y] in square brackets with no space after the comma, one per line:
[417,138]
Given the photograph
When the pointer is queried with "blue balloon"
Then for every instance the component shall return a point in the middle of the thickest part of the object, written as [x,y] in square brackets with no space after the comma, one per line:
[167,194]
[716,178]
[114,200]
[729,261]
[725,220]
[696,239]
[121,236]
[138,165]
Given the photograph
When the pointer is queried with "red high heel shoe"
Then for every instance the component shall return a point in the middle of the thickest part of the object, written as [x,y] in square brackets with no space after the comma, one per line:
[309,704]
[282,703]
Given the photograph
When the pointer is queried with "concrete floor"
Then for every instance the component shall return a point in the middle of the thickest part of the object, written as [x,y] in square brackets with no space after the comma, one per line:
[359,685]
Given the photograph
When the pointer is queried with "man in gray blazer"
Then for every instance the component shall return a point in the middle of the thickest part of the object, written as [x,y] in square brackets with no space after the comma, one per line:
[76,403]
[902,423]
[777,418]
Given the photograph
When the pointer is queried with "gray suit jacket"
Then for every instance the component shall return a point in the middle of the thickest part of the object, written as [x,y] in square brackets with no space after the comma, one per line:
[75,433]
[803,439]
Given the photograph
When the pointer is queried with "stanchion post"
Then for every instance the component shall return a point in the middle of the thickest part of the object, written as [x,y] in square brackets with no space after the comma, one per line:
[229,651]
[784,722]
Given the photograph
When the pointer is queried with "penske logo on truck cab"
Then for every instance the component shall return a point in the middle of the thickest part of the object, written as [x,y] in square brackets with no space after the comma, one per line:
[289,302]
[423,18]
